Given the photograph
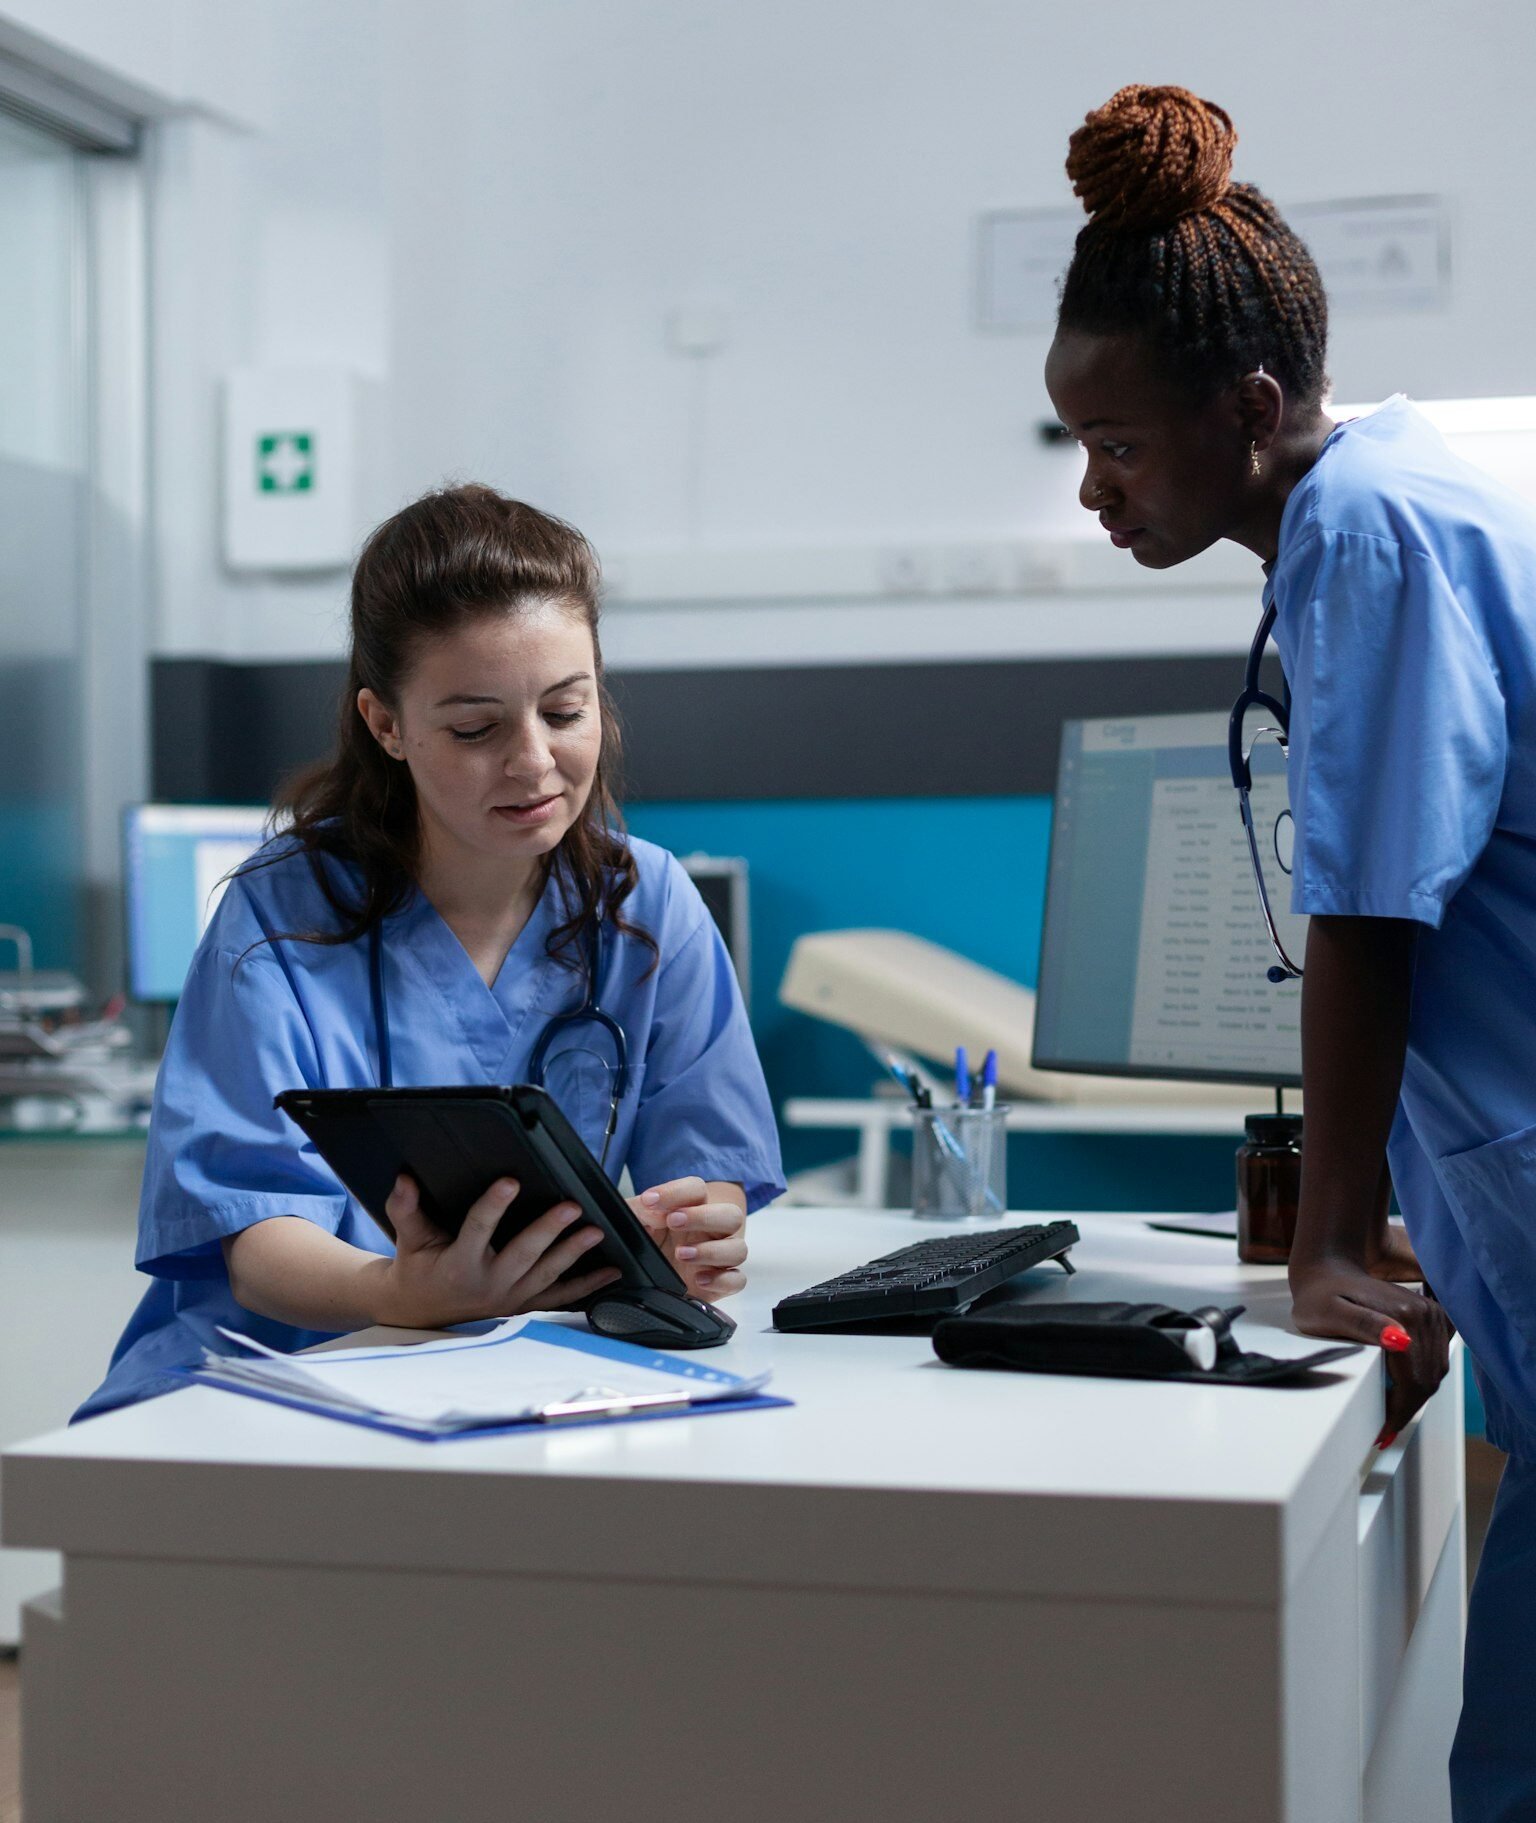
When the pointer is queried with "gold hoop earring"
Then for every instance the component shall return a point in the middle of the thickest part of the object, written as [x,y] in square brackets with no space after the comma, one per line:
[1253,461]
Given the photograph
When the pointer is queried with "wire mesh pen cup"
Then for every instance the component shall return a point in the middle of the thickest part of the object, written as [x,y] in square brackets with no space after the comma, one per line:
[959,1163]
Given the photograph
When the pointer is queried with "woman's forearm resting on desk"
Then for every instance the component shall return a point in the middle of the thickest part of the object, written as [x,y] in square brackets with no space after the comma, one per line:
[289,1269]
[1354,1036]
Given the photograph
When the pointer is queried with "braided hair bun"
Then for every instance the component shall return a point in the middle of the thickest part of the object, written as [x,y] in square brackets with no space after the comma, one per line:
[1150,155]
[1202,270]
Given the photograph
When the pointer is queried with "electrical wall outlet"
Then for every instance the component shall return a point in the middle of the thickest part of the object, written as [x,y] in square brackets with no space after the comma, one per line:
[905,571]
[975,569]
[1037,571]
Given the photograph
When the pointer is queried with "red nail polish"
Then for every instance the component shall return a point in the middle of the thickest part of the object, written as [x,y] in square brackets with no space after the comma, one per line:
[1395,1337]
[1386,1439]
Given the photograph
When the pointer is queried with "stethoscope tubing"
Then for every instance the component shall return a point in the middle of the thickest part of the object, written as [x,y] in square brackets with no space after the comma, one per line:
[588,1011]
[1254,696]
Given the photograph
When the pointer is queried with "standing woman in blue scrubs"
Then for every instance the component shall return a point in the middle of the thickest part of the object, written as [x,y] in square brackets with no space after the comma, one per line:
[462,838]
[1189,361]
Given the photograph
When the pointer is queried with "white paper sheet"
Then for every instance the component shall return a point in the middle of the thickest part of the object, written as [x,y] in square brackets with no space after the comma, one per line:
[515,1372]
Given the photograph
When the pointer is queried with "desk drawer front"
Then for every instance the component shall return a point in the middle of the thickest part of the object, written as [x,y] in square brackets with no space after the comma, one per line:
[1409,1509]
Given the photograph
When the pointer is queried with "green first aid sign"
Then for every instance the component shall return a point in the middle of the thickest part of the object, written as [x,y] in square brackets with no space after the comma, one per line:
[285,462]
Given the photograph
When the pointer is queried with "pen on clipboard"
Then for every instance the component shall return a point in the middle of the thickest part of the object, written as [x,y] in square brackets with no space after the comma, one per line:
[605,1402]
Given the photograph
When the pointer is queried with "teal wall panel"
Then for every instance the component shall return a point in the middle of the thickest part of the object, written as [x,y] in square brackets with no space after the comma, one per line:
[968,873]
[40,879]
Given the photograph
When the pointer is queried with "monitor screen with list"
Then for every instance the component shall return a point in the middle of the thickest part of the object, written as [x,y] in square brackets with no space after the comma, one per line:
[1155,953]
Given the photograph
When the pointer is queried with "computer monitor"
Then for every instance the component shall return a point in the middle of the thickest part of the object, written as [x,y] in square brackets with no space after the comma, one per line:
[176,861]
[1154,956]
[722,884]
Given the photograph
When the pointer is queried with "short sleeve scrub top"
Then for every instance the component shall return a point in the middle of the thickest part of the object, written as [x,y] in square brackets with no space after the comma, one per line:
[262,1012]
[1405,593]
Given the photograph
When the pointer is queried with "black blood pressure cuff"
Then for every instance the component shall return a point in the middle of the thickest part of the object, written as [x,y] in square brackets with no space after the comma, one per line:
[1135,1341]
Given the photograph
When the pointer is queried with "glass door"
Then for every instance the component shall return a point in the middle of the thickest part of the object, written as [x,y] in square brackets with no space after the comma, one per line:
[43,534]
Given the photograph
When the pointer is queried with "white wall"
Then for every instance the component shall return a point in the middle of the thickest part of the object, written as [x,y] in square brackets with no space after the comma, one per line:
[814,171]
[495,206]
[267,249]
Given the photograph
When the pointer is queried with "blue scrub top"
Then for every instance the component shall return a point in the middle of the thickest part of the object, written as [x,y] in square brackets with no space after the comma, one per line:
[1405,588]
[253,1021]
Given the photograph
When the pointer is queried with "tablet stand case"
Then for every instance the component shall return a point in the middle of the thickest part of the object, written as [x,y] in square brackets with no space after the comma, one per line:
[457,1139]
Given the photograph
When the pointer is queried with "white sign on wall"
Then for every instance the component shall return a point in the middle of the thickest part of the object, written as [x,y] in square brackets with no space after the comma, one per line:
[291,453]
[1020,257]
[1384,253]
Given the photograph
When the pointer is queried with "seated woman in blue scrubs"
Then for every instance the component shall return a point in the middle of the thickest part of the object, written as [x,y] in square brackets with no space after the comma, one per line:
[1189,362]
[463,835]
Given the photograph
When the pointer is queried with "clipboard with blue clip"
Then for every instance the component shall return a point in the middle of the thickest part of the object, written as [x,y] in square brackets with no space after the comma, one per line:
[525,1374]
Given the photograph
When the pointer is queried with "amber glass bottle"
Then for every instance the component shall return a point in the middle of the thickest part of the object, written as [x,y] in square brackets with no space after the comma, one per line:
[1268,1188]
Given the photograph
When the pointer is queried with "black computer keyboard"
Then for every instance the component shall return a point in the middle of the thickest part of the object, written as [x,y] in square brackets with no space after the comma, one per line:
[930,1279]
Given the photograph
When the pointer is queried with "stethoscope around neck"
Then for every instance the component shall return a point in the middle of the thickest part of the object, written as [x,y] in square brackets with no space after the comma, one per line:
[1255,697]
[588,1012]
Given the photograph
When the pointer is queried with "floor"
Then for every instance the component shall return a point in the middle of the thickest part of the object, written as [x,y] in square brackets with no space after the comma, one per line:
[1484,1465]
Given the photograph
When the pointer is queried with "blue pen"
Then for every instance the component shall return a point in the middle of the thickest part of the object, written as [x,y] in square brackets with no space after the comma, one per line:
[989,1082]
[962,1078]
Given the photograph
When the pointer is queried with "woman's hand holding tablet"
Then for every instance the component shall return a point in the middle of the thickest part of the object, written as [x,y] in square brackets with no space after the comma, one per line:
[436,1279]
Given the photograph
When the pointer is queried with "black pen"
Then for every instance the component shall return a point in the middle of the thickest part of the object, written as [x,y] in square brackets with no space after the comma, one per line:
[908,1080]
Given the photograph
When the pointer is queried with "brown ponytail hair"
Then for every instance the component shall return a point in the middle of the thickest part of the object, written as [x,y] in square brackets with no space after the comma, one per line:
[453,557]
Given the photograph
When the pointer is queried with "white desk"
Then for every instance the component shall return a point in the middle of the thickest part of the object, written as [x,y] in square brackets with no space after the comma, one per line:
[69,1204]
[920,1590]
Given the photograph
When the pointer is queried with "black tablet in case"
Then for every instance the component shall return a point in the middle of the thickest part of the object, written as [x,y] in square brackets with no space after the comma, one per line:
[455,1143]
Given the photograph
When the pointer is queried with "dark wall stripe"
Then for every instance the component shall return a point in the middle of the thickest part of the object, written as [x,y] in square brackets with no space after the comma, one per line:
[886,731]
[225,733]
